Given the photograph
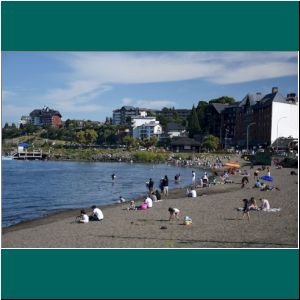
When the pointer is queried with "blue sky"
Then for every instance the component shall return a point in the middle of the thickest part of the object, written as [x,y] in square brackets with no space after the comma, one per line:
[89,85]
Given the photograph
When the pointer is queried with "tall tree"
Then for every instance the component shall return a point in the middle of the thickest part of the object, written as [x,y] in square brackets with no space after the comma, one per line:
[193,126]
[211,142]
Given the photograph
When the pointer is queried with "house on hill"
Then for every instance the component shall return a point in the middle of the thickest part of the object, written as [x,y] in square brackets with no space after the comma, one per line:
[45,117]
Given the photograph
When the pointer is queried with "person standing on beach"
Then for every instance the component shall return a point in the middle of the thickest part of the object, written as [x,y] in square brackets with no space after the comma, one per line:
[268,171]
[246,209]
[97,214]
[150,185]
[265,205]
[166,186]
[193,178]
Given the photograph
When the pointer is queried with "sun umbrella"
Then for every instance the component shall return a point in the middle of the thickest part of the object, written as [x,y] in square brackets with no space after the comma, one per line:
[232,164]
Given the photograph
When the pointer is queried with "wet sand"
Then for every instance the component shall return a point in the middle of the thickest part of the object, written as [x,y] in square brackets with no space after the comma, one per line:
[216,222]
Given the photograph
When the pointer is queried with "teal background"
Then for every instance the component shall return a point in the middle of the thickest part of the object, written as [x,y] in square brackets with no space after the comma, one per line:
[117,26]
[150,26]
[180,274]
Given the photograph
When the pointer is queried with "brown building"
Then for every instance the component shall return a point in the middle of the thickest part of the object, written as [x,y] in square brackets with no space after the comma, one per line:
[255,114]
[185,144]
[45,117]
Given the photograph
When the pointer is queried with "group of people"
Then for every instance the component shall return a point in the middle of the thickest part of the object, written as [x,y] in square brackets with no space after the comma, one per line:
[97,215]
[252,205]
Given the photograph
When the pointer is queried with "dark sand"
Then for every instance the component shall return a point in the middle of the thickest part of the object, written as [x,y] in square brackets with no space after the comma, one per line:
[216,223]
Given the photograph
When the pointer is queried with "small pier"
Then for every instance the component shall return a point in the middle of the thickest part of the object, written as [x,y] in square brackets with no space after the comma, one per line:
[30,155]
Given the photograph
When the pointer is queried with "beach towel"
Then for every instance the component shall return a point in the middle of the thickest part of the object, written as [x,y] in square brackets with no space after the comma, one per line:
[259,209]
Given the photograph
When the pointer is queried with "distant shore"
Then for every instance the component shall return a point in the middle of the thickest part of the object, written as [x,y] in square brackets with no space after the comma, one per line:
[216,222]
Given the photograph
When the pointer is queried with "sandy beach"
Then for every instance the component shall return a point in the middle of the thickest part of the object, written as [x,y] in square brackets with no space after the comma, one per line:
[216,222]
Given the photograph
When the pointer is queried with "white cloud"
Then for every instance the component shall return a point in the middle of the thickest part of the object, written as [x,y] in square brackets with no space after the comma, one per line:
[257,72]
[152,104]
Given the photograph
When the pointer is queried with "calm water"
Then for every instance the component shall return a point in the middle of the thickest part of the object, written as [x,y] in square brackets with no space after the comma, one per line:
[32,189]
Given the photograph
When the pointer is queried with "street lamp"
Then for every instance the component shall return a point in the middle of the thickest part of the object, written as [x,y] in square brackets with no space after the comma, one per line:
[248,133]
[277,131]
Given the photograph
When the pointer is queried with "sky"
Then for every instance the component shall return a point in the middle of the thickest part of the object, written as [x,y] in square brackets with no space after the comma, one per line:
[90,85]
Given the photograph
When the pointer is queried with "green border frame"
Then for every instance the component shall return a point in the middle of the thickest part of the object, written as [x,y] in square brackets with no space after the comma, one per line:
[155,26]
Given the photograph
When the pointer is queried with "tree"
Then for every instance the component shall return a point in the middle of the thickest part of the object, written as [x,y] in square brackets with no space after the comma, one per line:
[223,100]
[152,141]
[211,142]
[201,109]
[80,137]
[193,126]
[90,136]
[130,141]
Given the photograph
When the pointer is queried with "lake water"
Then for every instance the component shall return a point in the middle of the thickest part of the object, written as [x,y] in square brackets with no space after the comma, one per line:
[32,189]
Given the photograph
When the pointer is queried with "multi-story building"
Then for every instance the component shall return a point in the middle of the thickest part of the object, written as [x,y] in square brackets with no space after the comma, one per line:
[213,115]
[145,127]
[170,112]
[126,113]
[24,121]
[228,121]
[147,130]
[45,117]
[266,117]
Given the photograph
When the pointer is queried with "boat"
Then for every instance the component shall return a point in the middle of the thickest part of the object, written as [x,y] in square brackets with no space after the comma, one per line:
[7,157]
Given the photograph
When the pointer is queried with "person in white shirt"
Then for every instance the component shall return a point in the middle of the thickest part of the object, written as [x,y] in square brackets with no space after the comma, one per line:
[174,213]
[83,217]
[149,202]
[265,205]
[97,214]
[193,177]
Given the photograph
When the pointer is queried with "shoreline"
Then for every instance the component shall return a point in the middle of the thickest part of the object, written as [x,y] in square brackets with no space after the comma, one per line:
[51,216]
[216,222]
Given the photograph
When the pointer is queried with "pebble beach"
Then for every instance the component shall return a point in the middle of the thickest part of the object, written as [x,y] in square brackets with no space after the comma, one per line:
[216,221]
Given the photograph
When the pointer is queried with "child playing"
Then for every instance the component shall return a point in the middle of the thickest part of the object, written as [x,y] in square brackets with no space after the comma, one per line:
[83,217]
[132,206]
[174,213]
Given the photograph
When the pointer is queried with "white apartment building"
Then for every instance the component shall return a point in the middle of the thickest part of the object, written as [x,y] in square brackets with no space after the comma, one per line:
[145,127]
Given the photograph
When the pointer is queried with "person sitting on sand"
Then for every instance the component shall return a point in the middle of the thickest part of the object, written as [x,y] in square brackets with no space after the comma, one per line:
[83,217]
[252,204]
[149,202]
[174,213]
[132,206]
[245,181]
[257,184]
[265,205]
[192,193]
[97,214]
[246,209]
[153,197]
[158,195]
